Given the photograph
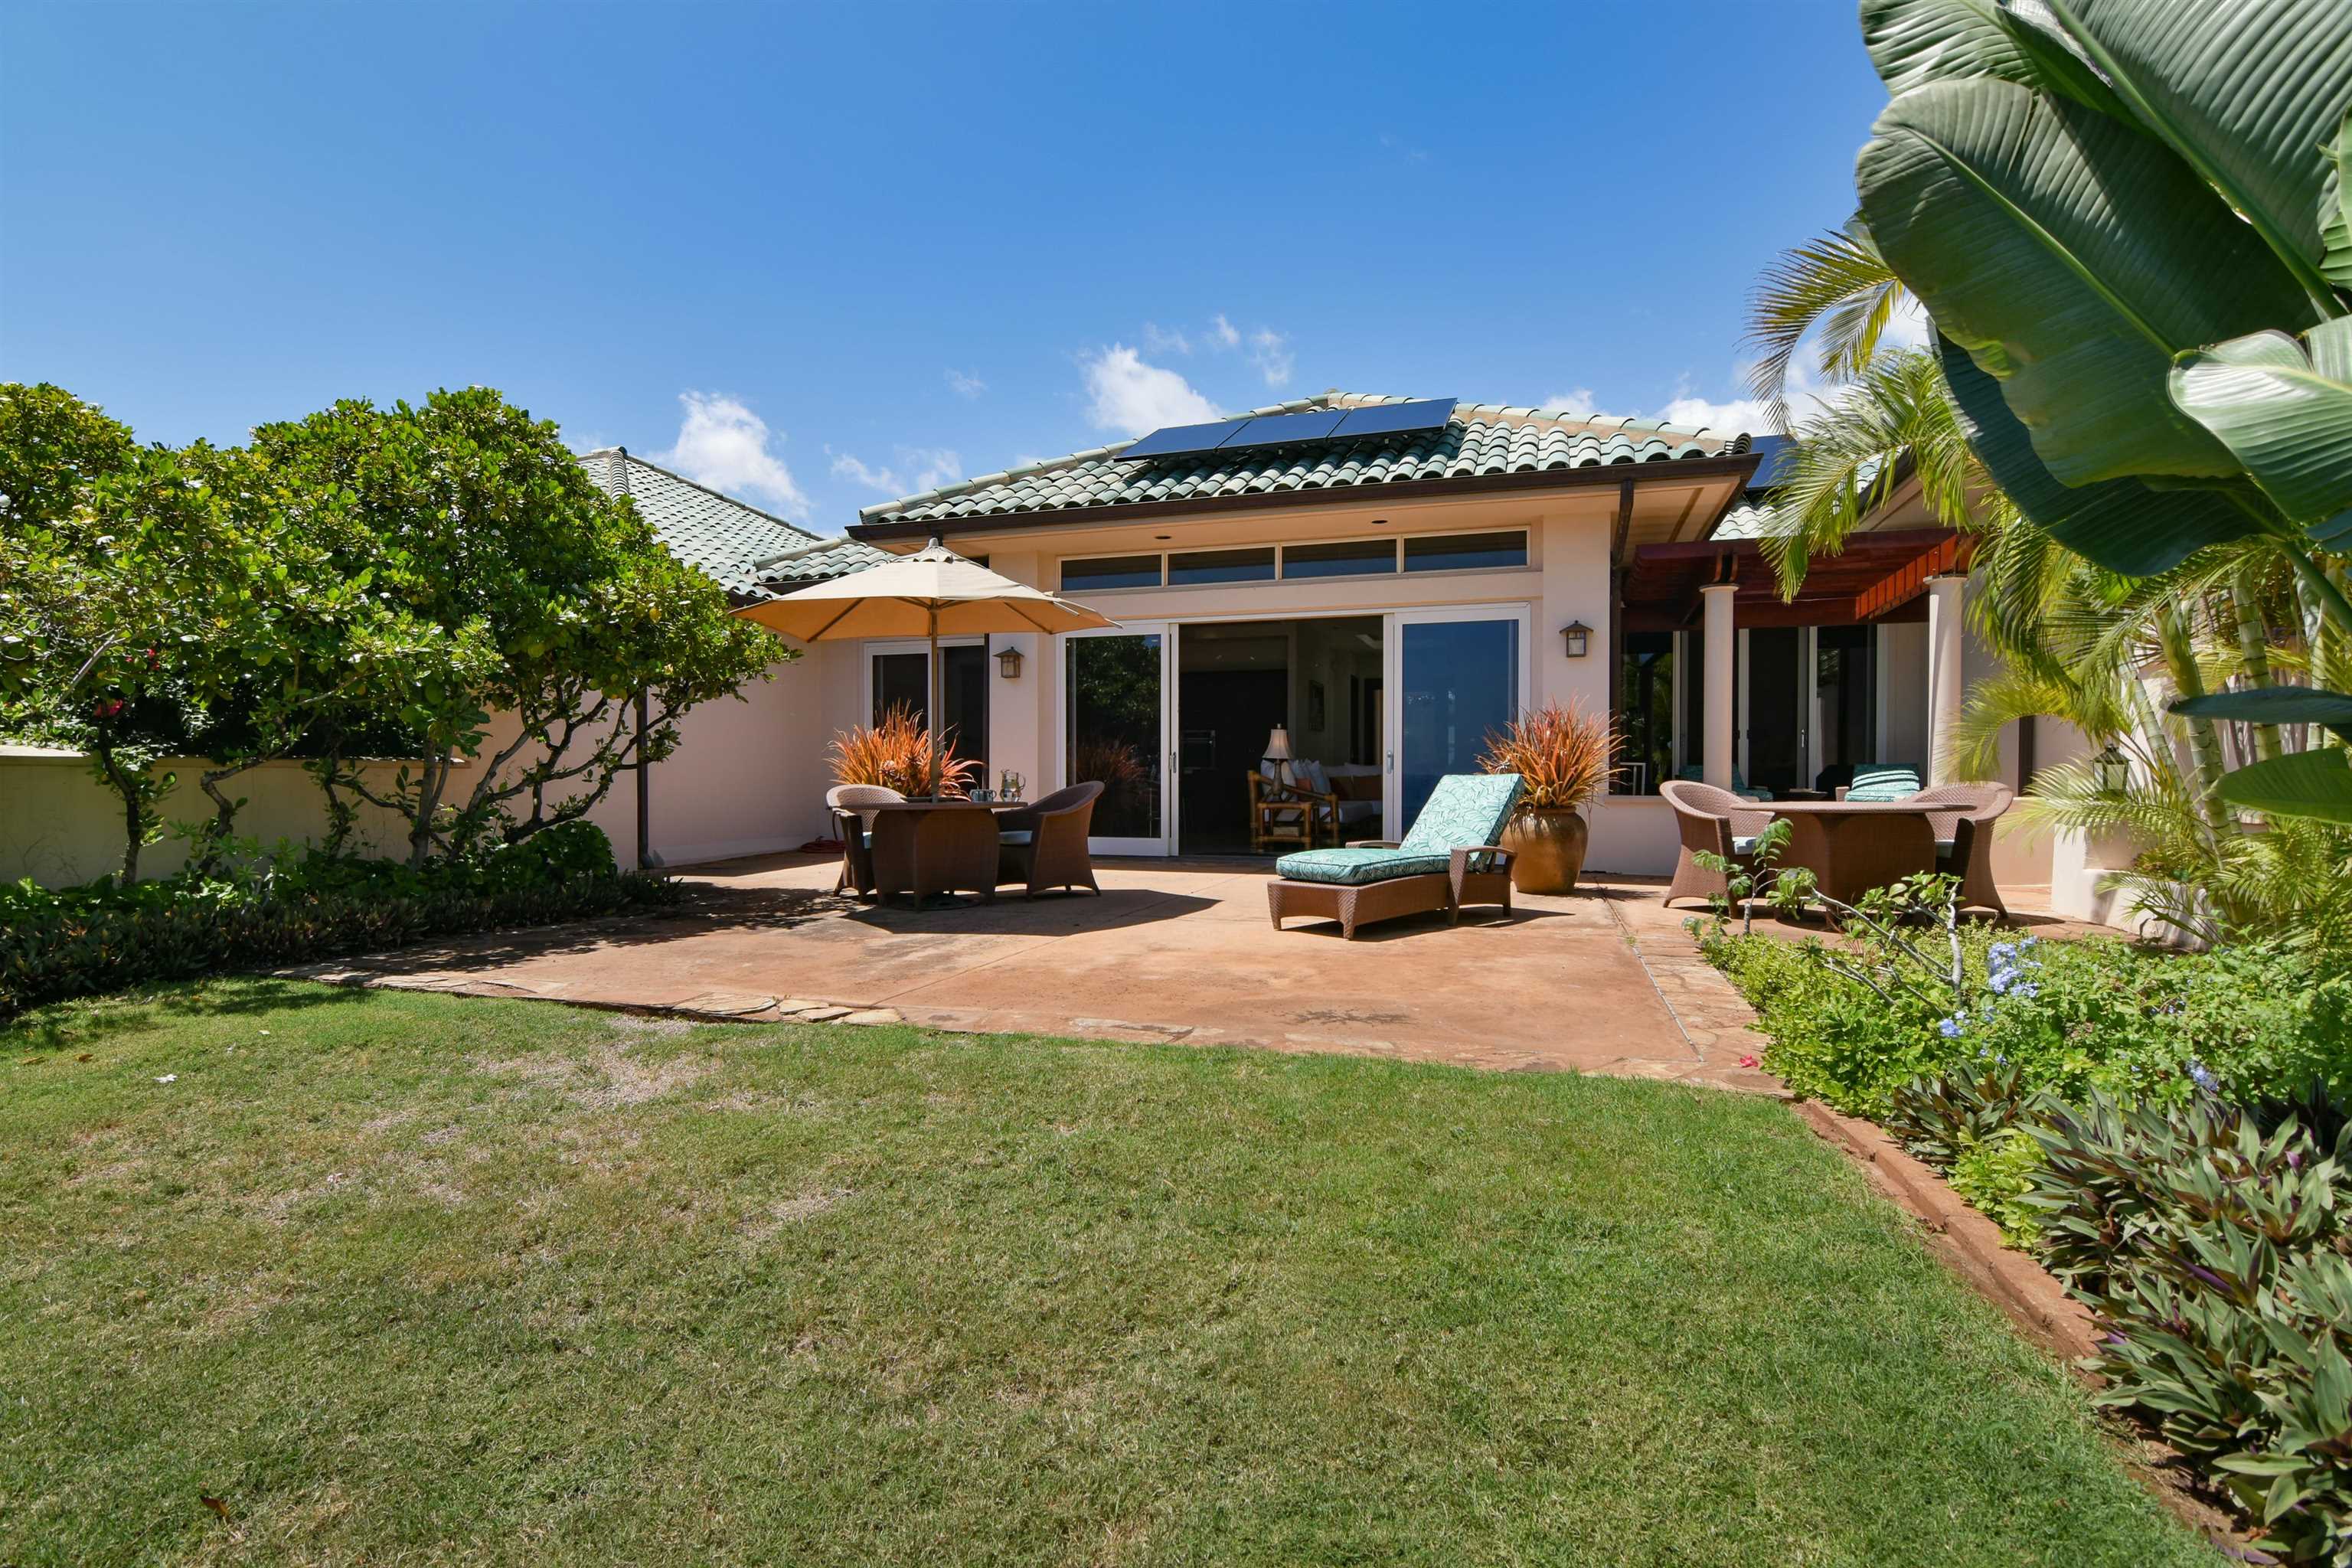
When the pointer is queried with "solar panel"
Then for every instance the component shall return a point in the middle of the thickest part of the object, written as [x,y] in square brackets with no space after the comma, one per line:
[1283,429]
[1175,440]
[1429,414]
[1778,452]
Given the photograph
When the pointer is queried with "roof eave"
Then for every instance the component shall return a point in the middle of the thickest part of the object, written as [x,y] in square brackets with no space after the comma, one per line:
[1740,465]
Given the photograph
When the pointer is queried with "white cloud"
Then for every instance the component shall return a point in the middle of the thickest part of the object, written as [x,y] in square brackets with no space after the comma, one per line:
[1132,396]
[1223,332]
[964,385]
[1908,328]
[723,444]
[1270,352]
[1579,403]
[931,466]
[1165,340]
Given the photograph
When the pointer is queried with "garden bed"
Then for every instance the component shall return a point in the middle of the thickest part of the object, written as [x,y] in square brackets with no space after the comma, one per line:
[2163,1131]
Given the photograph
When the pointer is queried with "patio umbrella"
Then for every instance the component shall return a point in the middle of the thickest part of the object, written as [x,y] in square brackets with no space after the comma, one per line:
[933,593]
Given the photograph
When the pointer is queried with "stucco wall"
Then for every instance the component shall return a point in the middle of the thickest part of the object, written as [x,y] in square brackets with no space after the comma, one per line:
[749,777]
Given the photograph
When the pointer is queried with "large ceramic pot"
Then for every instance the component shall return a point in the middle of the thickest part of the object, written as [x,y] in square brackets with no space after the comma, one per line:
[1547,847]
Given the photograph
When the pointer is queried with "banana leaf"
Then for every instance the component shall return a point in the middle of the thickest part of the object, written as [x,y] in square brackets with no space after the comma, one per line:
[1915,42]
[2284,407]
[2250,94]
[2315,784]
[2275,705]
[2123,525]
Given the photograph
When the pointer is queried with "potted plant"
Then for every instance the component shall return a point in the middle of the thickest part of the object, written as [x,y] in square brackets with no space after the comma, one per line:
[1565,756]
[896,754]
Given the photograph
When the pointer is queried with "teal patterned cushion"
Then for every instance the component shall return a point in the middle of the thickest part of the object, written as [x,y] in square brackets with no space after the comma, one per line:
[1883,783]
[1355,868]
[1018,835]
[1465,809]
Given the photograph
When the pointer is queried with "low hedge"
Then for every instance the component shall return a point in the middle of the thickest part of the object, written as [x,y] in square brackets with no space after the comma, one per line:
[56,944]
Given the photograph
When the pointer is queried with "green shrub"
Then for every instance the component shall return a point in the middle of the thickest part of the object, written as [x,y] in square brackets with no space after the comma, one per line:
[2062,1017]
[1996,1176]
[60,943]
[2214,1251]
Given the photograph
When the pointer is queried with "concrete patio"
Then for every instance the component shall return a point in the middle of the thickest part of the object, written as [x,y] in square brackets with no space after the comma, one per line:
[1604,981]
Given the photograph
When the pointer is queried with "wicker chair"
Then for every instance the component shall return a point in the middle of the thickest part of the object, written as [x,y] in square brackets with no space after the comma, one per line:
[1964,837]
[1044,845]
[1713,822]
[857,830]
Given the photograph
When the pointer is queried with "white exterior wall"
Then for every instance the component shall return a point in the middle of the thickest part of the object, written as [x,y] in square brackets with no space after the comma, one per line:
[749,777]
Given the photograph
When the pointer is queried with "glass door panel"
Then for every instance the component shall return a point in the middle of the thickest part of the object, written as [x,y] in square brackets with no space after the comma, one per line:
[1461,676]
[1115,729]
[1775,710]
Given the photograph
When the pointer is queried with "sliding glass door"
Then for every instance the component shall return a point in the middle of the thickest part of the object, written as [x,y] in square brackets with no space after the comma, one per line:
[1457,675]
[1115,712]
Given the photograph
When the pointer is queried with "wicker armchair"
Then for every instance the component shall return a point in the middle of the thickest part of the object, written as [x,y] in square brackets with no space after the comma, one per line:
[1713,822]
[1044,845]
[857,830]
[1964,837]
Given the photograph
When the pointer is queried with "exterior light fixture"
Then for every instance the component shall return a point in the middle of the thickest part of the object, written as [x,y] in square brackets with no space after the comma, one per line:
[1008,663]
[1579,637]
[2110,771]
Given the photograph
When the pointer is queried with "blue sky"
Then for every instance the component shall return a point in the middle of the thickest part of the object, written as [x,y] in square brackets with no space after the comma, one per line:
[818,256]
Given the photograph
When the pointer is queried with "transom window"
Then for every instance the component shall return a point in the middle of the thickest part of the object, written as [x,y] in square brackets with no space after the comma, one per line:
[1503,548]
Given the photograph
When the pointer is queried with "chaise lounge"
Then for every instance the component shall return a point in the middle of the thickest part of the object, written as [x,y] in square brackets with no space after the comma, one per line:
[1451,856]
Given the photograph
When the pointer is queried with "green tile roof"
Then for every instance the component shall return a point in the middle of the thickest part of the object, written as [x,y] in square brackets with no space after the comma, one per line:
[737,545]
[1481,439]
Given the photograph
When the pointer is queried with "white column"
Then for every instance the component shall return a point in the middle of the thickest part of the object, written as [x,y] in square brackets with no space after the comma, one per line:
[1945,681]
[1718,693]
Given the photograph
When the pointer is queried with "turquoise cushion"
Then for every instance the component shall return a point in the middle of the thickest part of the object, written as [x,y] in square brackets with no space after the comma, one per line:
[1355,868]
[1465,809]
[1883,783]
[1744,845]
[1018,835]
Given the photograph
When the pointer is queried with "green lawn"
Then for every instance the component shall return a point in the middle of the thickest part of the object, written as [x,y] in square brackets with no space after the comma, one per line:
[407,1279]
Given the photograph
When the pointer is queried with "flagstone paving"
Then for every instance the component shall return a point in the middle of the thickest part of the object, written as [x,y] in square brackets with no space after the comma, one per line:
[1601,980]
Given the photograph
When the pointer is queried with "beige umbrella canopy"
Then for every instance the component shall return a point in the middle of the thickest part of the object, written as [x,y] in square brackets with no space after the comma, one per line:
[933,593]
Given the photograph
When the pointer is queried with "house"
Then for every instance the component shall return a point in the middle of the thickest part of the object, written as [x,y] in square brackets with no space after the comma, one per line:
[1386,579]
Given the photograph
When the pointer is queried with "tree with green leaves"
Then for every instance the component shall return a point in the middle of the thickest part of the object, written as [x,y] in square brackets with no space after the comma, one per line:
[2131,223]
[103,547]
[543,598]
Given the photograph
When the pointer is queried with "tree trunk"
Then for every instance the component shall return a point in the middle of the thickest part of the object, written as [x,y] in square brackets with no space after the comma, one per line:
[134,810]
[215,835]
[2254,654]
[2204,740]
[428,807]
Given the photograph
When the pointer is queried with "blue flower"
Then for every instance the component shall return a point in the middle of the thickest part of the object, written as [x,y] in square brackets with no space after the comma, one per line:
[2026,989]
[2002,952]
[2203,1075]
[1951,1028]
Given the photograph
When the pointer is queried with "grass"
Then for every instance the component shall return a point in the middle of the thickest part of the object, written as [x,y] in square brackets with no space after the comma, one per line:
[408,1279]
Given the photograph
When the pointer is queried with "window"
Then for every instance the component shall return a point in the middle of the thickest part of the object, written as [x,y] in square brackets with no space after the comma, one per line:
[1111,572]
[900,681]
[1354,558]
[1645,714]
[1462,552]
[1222,567]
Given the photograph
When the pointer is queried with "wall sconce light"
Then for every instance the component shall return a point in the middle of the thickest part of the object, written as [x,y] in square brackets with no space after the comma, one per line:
[1008,663]
[2110,771]
[1579,637]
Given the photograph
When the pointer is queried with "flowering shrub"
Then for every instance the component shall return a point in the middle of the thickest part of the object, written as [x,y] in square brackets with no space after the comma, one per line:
[2067,1016]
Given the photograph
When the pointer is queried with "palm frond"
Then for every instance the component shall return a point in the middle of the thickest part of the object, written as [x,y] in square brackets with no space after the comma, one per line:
[1837,281]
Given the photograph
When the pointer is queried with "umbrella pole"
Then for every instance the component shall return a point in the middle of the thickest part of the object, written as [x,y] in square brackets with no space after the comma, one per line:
[932,708]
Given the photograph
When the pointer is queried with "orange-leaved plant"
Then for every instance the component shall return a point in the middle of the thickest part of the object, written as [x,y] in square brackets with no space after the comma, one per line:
[1565,756]
[896,754]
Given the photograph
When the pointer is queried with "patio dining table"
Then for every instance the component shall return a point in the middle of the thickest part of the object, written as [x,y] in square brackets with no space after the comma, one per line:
[923,847]
[1854,845]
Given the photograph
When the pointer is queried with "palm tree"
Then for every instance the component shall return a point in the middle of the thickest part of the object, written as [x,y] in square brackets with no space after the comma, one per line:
[1837,282]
